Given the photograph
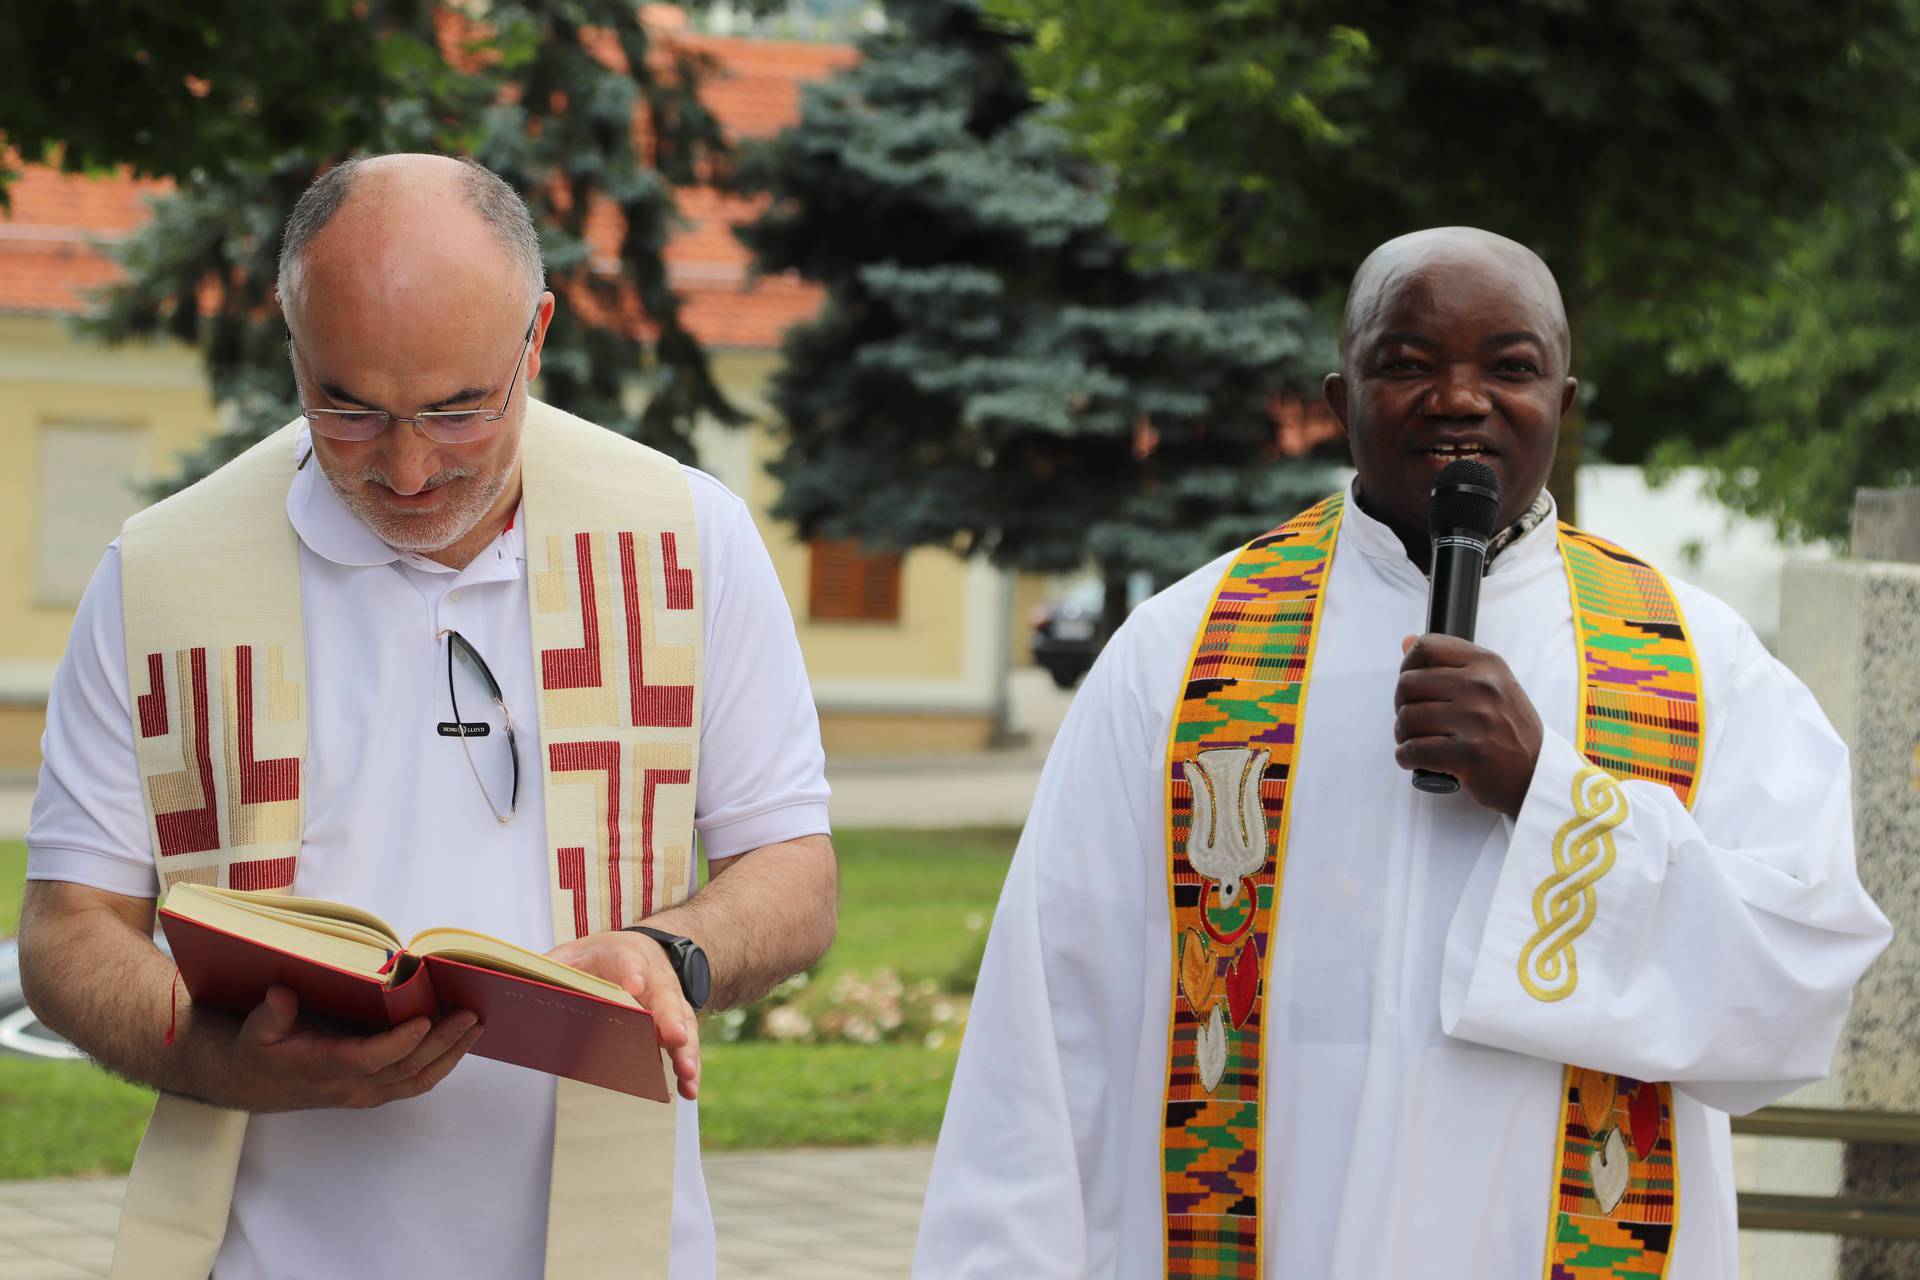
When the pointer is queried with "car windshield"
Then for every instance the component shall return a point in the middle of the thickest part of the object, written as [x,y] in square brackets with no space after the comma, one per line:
[1082,599]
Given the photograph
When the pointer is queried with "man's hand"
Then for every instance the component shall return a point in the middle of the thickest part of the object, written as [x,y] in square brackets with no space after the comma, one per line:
[279,1065]
[640,966]
[70,934]
[1458,710]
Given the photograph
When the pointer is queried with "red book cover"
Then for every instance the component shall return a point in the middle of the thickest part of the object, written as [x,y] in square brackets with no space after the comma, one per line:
[528,1023]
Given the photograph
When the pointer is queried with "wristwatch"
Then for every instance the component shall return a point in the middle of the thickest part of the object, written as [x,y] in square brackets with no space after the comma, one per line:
[688,961]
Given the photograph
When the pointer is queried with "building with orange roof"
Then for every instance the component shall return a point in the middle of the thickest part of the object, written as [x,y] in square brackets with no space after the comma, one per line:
[906,653]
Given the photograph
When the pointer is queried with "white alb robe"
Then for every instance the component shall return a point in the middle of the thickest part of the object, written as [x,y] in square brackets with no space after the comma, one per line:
[1413,1085]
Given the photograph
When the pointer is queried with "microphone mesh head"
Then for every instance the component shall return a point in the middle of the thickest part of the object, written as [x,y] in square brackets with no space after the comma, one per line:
[1465,496]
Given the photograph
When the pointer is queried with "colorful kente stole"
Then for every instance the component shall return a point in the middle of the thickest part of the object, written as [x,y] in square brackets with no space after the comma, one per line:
[217,677]
[1616,1186]
[1230,762]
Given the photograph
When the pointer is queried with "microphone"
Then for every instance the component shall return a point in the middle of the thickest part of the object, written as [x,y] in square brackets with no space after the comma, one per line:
[1460,521]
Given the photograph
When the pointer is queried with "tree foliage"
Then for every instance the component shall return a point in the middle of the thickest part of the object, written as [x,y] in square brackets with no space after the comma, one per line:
[1827,358]
[167,87]
[547,94]
[1652,152]
[989,372]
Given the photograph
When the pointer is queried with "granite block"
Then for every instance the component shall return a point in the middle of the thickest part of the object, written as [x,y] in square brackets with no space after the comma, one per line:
[1886,525]
[1851,630]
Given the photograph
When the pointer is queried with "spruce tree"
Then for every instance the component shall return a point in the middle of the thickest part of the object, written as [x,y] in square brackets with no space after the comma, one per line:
[990,372]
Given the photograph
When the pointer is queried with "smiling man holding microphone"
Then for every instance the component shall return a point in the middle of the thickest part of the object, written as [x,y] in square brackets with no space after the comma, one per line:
[1253,1005]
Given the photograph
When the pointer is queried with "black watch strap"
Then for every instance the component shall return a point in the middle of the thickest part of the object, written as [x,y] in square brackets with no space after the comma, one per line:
[689,963]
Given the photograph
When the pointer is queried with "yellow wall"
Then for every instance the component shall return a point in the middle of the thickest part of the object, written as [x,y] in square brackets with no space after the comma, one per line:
[154,393]
[46,376]
[20,728]
[927,642]
[1031,590]
[925,682]
[873,734]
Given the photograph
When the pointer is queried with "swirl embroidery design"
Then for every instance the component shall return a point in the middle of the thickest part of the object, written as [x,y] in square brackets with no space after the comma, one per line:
[1564,905]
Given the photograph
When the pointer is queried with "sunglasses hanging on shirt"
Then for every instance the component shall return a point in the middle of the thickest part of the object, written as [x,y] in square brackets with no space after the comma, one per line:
[483,725]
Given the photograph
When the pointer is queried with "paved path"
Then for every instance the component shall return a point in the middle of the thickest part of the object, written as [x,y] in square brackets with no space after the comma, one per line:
[780,1215]
[57,1230]
[980,789]
[795,1215]
[818,1215]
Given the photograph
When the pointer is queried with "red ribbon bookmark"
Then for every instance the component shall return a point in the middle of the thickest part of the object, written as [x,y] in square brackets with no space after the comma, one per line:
[173,1020]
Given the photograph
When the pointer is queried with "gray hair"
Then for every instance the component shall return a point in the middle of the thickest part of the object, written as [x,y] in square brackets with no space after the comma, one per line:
[498,205]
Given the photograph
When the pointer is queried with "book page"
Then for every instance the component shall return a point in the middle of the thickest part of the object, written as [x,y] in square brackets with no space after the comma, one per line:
[331,917]
[503,957]
[329,932]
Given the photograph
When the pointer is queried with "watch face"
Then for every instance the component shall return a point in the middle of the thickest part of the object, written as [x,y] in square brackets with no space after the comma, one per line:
[696,978]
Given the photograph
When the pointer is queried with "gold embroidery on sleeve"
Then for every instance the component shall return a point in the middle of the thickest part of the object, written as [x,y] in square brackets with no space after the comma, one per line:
[1564,904]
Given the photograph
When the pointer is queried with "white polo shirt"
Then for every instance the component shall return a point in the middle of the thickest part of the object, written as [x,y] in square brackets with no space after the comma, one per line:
[452,1184]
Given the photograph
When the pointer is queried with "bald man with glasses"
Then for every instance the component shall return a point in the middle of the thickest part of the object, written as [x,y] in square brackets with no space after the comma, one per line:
[445,653]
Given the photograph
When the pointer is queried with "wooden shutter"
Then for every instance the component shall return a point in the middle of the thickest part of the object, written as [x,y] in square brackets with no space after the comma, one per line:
[851,584]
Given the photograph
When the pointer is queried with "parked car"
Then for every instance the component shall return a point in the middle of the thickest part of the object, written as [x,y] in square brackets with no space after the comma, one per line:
[21,1033]
[1067,635]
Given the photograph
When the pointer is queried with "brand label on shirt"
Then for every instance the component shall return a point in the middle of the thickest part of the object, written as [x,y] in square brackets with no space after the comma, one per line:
[464,728]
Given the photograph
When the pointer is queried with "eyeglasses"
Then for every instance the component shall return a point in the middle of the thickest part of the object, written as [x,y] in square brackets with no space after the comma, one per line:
[442,426]
[497,772]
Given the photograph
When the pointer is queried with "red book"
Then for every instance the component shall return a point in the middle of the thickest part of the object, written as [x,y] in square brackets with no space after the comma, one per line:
[350,970]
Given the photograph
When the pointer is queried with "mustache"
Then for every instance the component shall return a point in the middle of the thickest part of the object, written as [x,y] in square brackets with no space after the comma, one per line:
[447,476]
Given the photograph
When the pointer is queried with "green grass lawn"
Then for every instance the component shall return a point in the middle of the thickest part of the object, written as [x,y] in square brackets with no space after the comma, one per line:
[13,880]
[60,1118]
[905,897]
[67,1119]
[905,900]
[758,1095]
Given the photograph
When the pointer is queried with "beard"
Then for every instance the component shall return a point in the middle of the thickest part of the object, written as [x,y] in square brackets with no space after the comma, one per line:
[422,532]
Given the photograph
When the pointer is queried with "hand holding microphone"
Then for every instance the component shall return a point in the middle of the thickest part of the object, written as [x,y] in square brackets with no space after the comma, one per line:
[1461,719]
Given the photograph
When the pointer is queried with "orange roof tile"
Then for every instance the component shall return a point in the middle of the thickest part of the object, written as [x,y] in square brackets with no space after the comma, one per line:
[755,85]
[48,258]
[49,242]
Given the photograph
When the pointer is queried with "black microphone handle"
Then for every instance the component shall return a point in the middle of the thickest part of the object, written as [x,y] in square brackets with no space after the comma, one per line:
[1458,563]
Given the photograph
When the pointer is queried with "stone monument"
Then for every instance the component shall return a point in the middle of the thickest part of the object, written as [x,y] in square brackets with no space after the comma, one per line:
[1850,628]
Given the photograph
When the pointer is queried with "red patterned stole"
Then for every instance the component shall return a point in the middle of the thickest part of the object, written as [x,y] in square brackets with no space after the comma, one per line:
[221,723]
[217,674]
[617,627]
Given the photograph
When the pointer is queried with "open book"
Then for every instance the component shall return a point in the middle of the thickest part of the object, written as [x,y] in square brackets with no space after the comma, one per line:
[350,969]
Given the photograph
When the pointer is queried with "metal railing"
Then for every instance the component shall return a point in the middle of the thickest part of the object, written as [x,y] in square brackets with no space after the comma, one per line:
[1839,1215]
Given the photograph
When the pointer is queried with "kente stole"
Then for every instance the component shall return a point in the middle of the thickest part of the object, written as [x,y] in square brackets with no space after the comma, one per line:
[217,675]
[1230,761]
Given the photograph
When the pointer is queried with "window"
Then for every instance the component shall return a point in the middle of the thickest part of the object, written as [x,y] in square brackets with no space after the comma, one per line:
[850,584]
[88,471]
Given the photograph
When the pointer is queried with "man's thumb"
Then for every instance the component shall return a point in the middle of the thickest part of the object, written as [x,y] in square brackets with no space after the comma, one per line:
[273,1019]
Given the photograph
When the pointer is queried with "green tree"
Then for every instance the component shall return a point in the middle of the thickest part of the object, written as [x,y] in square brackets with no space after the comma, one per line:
[550,94]
[1652,152]
[989,373]
[166,87]
[1827,359]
